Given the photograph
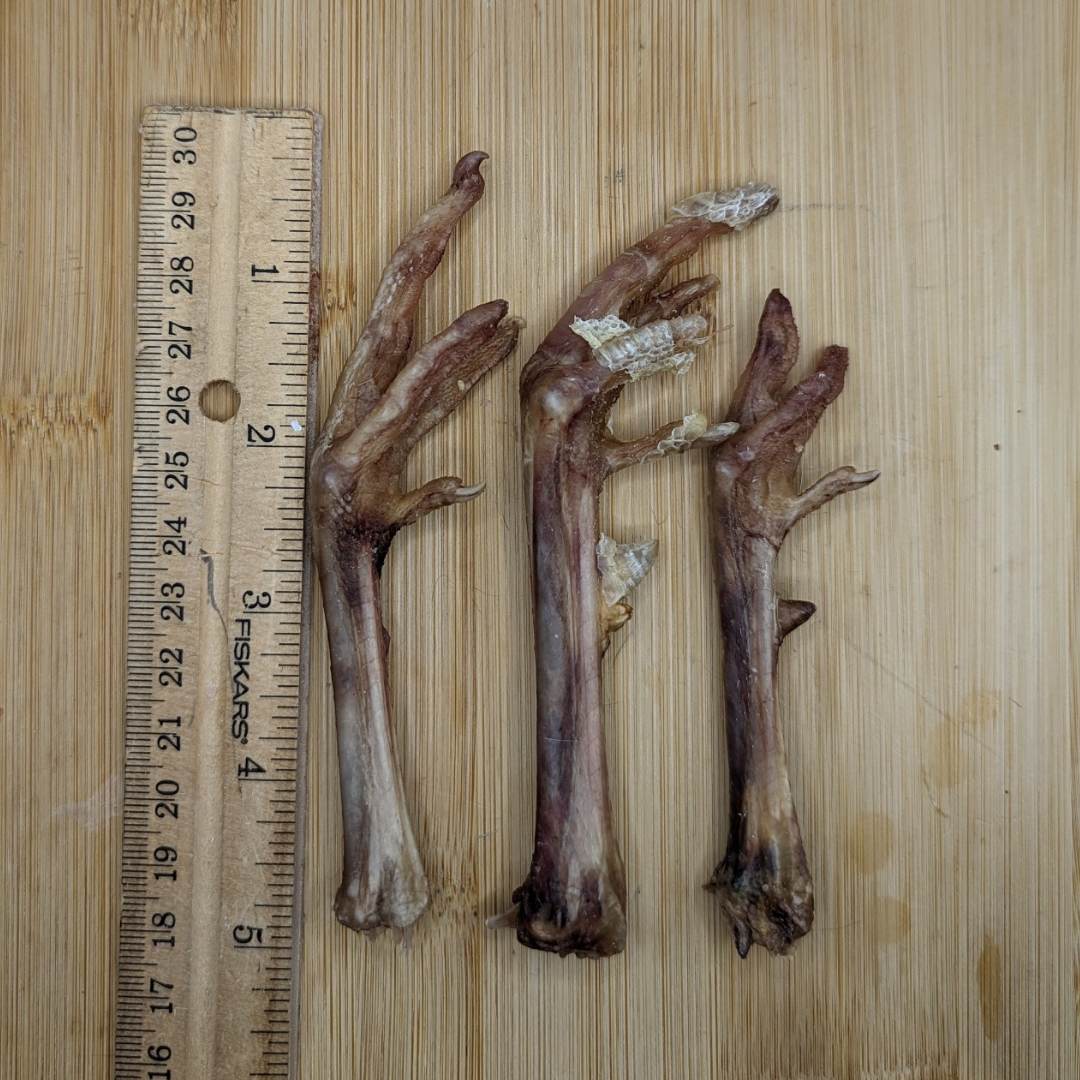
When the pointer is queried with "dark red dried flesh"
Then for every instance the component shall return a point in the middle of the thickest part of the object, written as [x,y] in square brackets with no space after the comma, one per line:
[573,899]
[384,402]
[763,882]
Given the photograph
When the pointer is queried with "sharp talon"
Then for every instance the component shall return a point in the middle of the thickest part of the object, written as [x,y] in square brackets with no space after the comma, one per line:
[506,920]
[464,494]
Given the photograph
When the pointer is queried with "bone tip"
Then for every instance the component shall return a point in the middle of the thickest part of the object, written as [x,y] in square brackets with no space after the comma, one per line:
[736,207]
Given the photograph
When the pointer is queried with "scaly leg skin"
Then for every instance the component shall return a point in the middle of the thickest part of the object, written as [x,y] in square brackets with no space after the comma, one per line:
[620,329]
[763,882]
[383,404]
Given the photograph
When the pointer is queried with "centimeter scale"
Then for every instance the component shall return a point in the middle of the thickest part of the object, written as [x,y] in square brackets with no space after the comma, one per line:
[217,640]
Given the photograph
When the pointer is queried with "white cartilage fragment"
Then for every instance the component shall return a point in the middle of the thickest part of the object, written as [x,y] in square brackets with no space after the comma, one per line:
[694,425]
[622,566]
[736,207]
[644,350]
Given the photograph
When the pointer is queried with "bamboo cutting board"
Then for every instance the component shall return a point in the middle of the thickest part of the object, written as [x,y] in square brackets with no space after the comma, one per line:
[926,156]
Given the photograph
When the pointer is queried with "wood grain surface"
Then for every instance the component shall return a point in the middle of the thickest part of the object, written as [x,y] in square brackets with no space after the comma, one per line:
[926,156]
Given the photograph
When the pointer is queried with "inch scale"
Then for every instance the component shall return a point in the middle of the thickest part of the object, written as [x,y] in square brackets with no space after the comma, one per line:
[212,859]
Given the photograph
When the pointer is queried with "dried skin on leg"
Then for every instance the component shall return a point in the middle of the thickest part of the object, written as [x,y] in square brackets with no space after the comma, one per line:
[620,329]
[763,882]
[385,401]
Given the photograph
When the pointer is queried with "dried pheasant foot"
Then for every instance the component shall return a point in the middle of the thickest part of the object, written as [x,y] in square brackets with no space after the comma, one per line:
[383,404]
[619,330]
[763,882]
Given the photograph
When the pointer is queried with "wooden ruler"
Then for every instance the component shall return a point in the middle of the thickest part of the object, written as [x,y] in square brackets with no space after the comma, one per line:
[217,636]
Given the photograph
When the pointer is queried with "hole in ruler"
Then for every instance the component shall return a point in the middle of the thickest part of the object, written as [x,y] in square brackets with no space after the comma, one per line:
[219,400]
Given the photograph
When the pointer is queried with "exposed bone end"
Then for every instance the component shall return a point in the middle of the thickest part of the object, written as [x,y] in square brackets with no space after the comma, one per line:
[582,915]
[394,902]
[765,890]
[736,207]
[388,890]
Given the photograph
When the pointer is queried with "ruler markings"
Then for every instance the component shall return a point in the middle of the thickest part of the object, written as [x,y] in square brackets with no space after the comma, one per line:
[213,208]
